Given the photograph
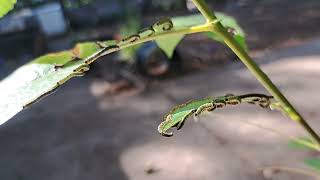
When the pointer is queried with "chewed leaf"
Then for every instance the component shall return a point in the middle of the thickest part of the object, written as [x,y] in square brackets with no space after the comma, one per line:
[43,75]
[58,59]
[179,114]
[84,50]
[40,77]
[314,163]
[6,6]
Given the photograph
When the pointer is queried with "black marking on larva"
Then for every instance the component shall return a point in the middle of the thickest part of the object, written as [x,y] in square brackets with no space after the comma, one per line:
[100,44]
[75,58]
[212,109]
[180,125]
[131,39]
[101,52]
[220,103]
[255,95]
[166,134]
[232,99]
[166,24]
[205,107]
[82,69]
[58,66]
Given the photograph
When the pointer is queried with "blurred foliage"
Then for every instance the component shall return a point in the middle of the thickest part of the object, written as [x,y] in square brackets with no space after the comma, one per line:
[75,3]
[31,3]
[302,143]
[314,163]
[168,4]
[308,144]
[6,6]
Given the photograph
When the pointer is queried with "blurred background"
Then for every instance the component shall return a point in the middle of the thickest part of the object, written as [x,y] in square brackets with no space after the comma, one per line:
[104,125]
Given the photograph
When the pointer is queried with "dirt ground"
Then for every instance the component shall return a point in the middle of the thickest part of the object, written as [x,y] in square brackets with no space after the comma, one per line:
[75,135]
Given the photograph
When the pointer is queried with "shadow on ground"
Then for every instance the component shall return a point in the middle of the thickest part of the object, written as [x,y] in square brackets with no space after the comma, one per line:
[73,135]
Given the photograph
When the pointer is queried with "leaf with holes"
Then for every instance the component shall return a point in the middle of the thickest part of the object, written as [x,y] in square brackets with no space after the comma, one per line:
[41,76]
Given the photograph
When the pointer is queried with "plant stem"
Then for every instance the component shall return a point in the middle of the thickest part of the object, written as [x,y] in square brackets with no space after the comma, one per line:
[254,68]
[204,9]
[188,30]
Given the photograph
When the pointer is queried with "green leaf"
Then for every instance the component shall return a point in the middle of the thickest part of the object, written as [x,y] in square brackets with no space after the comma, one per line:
[6,6]
[169,43]
[242,41]
[227,21]
[314,163]
[303,143]
[40,77]
[131,26]
[179,114]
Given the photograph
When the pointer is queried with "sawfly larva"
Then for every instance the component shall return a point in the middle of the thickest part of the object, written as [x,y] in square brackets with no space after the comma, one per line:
[102,52]
[163,25]
[130,39]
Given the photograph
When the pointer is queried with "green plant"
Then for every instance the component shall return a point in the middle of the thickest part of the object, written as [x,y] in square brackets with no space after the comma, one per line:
[214,25]
[45,74]
[179,114]
[6,6]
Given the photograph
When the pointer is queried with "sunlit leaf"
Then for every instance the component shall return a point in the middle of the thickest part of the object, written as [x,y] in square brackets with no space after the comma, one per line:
[40,77]
[179,114]
[6,6]
[169,43]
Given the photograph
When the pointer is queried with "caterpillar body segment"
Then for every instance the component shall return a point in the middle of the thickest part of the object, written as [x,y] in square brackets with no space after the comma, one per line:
[130,39]
[206,107]
[147,32]
[163,25]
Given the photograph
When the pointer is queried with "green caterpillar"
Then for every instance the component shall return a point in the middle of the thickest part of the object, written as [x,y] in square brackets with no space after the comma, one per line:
[163,25]
[178,115]
[104,51]
[130,39]
[80,71]
[159,27]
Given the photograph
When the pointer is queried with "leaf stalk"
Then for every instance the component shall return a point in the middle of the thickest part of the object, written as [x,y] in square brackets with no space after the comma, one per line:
[218,28]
